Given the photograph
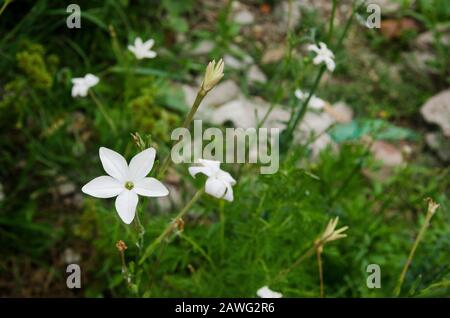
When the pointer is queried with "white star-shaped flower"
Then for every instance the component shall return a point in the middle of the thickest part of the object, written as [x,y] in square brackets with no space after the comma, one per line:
[219,183]
[324,55]
[126,181]
[142,50]
[81,85]
[266,292]
[314,102]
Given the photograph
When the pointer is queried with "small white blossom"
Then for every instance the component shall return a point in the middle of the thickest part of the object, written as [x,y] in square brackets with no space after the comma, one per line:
[142,49]
[314,102]
[266,292]
[81,85]
[126,181]
[324,55]
[219,183]
[213,74]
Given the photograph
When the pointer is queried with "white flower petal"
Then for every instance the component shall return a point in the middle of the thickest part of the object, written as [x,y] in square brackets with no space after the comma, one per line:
[299,94]
[126,204]
[195,170]
[330,64]
[150,187]
[141,164]
[266,292]
[103,187]
[313,47]
[215,187]
[225,177]
[229,194]
[211,164]
[114,164]
[150,54]
[148,44]
[91,80]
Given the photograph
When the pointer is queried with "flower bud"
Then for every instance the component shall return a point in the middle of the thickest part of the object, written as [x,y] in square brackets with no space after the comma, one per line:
[213,74]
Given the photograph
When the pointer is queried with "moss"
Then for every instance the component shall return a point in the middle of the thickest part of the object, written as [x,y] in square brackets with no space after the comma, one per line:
[34,64]
[150,118]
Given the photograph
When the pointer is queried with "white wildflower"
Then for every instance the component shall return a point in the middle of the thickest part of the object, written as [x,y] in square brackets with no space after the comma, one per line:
[219,183]
[126,181]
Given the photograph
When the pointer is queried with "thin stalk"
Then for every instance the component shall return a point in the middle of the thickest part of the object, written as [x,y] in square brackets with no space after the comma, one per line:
[304,256]
[141,232]
[331,26]
[319,265]
[103,111]
[222,228]
[170,227]
[299,116]
[5,4]
[419,237]
[317,245]
[187,121]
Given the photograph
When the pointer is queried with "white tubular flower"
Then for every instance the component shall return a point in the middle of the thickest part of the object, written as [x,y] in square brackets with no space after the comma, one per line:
[266,292]
[324,55]
[126,181]
[219,183]
[314,102]
[213,74]
[142,50]
[81,85]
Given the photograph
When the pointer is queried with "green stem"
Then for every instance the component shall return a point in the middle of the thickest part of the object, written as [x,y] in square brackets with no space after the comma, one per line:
[170,227]
[304,256]
[5,4]
[422,231]
[301,113]
[187,122]
[103,111]
[222,229]
[331,26]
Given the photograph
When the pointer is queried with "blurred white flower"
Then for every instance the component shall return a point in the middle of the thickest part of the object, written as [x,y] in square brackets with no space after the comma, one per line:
[142,49]
[81,85]
[219,182]
[266,292]
[324,55]
[315,102]
[126,181]
[213,74]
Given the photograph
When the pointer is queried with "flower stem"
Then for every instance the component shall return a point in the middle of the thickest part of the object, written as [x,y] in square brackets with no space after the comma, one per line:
[302,257]
[5,4]
[187,122]
[419,237]
[319,265]
[222,228]
[331,26]
[141,232]
[170,227]
[103,111]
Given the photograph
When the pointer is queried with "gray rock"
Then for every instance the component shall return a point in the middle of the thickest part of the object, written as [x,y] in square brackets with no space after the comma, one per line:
[288,18]
[256,75]
[437,110]
[440,144]
[203,48]
[244,17]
